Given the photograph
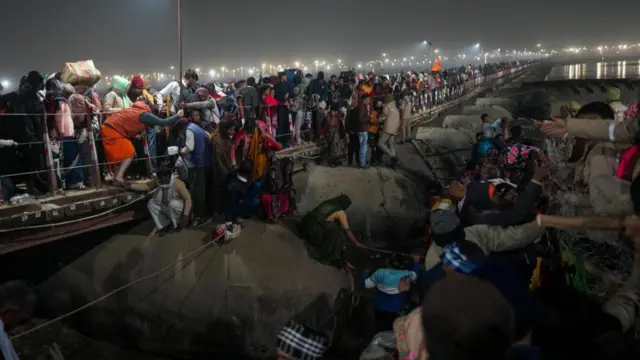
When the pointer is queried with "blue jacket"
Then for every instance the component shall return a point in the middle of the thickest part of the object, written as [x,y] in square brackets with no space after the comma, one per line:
[387,297]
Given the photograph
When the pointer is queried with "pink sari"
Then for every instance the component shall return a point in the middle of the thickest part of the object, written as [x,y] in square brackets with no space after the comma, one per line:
[272,115]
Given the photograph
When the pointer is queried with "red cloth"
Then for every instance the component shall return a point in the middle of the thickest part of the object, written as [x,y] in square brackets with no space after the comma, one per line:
[137,82]
[627,163]
[274,206]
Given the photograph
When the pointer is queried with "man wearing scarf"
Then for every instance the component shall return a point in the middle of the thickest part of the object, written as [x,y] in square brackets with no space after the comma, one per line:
[210,115]
[171,202]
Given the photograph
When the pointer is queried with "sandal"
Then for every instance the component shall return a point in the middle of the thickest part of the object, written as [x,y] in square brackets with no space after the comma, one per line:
[78,186]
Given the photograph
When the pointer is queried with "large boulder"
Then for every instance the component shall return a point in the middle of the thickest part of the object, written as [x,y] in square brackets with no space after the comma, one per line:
[445,151]
[229,300]
[386,205]
[470,123]
[506,103]
[494,112]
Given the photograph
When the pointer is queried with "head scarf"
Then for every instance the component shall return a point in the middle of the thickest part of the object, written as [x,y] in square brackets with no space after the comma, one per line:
[119,83]
[202,91]
[516,156]
[137,82]
[442,222]
[613,94]
[299,342]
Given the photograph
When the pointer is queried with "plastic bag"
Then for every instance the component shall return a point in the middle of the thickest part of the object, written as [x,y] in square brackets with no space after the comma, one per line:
[381,346]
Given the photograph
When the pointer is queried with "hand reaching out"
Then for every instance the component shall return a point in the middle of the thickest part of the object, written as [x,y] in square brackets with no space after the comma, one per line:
[554,127]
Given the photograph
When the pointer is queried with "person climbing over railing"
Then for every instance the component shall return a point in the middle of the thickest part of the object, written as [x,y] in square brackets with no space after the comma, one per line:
[125,124]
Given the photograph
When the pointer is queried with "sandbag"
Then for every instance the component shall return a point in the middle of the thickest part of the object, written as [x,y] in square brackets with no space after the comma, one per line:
[471,123]
[495,112]
[80,73]
[446,139]
[506,103]
[445,151]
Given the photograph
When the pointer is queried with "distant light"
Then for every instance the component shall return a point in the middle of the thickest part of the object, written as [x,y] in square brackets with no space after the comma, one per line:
[5,83]
[359,66]
[305,68]
[339,60]
[478,45]
[250,71]
[538,45]
[425,42]
[384,55]
[171,67]
[297,64]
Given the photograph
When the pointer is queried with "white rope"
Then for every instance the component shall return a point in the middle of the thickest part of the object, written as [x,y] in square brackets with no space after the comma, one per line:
[62,317]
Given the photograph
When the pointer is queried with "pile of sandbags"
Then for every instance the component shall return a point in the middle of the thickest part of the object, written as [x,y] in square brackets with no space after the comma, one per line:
[495,112]
[445,151]
[470,123]
[506,103]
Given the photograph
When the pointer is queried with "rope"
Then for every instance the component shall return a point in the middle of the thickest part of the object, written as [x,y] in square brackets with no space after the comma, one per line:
[82,166]
[77,220]
[73,312]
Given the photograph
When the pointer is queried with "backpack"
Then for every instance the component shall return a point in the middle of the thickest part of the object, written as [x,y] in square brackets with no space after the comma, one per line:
[78,106]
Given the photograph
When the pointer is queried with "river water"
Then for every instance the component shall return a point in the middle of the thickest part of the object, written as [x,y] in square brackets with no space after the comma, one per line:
[606,69]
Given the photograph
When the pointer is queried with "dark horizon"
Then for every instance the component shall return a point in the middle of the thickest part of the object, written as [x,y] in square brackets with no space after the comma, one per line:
[141,35]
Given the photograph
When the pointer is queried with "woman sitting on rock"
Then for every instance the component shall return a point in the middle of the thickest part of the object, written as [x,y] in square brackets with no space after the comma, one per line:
[325,229]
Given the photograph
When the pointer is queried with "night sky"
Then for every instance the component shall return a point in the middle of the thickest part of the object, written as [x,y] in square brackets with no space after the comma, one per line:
[141,35]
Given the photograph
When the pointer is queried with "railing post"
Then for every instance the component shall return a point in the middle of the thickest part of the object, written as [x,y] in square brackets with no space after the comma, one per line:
[53,179]
[96,179]
[147,153]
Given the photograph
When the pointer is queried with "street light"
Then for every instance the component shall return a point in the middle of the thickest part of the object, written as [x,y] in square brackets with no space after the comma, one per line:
[481,51]
[179,37]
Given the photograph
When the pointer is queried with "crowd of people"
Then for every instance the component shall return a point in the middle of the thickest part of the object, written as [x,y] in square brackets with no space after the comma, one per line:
[207,134]
[496,282]
[212,149]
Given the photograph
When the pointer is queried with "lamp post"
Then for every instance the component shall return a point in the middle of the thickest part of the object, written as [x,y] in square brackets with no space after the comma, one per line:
[180,38]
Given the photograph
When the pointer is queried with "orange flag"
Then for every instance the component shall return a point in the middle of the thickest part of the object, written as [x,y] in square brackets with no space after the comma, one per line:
[436,66]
